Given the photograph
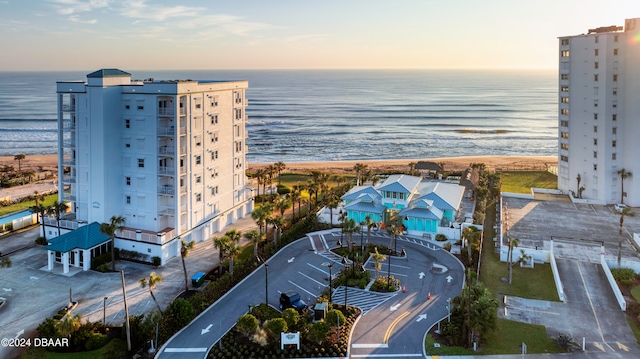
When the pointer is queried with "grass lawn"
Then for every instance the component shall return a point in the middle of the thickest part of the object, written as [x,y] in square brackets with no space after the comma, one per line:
[536,283]
[444,350]
[116,348]
[523,181]
[48,200]
[634,328]
[509,336]
[635,292]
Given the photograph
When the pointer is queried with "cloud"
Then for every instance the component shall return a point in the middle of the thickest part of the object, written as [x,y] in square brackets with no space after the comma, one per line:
[74,18]
[68,7]
[140,10]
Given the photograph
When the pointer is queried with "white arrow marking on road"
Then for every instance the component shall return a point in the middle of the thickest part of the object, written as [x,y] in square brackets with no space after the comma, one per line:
[622,346]
[421,275]
[420,317]
[395,307]
[449,279]
[33,277]
[7,289]
[291,260]
[3,298]
[19,333]
[598,345]
[206,330]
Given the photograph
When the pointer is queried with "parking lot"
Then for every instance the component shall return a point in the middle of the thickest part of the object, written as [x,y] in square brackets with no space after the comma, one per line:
[577,229]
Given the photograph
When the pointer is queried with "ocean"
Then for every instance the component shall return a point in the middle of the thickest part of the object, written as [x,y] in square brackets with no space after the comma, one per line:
[318,115]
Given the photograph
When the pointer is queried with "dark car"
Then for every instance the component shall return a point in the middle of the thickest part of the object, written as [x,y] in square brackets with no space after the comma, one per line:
[291,299]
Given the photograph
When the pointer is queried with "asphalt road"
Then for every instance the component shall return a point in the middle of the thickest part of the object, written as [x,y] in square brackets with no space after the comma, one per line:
[303,266]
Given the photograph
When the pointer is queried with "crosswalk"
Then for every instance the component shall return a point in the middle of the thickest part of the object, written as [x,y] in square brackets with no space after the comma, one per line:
[363,299]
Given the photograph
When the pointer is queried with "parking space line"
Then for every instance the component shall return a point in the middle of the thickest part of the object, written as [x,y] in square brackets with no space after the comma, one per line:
[306,276]
[314,267]
[593,308]
[299,287]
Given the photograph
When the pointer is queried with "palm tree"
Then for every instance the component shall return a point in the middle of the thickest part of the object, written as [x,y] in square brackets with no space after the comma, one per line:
[185,248]
[58,208]
[19,157]
[232,251]
[295,195]
[261,215]
[221,244]
[312,187]
[37,196]
[260,177]
[254,237]
[278,223]
[412,168]
[350,227]
[283,204]
[624,174]
[626,212]
[394,229]
[333,201]
[513,243]
[68,324]
[377,258]
[370,224]
[279,166]
[359,168]
[116,223]
[41,210]
[151,282]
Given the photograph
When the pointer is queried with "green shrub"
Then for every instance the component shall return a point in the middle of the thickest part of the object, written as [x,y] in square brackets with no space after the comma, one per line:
[41,241]
[156,261]
[447,247]
[441,237]
[247,325]
[104,258]
[95,341]
[104,267]
[282,189]
[335,317]
[621,274]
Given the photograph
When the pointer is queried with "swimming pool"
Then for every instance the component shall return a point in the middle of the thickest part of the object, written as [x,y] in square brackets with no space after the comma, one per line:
[17,215]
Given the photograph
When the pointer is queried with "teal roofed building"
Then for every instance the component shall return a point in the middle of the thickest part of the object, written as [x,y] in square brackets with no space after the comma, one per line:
[77,248]
[424,207]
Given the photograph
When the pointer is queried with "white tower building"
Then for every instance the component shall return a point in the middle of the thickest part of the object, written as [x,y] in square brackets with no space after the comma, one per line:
[599,113]
[168,156]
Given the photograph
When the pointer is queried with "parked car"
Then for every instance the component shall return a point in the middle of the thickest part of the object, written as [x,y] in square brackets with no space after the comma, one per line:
[291,299]
[619,207]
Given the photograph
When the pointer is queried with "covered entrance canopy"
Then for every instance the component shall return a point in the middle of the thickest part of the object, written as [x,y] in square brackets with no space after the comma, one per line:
[77,247]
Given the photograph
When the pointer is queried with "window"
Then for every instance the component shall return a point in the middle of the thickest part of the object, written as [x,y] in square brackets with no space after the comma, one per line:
[615,38]
[596,39]
[140,107]
[126,107]
[613,143]
[613,156]
[141,162]
[615,92]
[127,199]
[198,105]
[615,78]
[595,128]
[214,137]
[595,77]
[596,52]
[565,53]
[198,179]
[595,154]
[198,141]
[239,146]
[564,134]
[564,89]
[595,167]
[596,64]
[198,197]
[595,141]
[127,145]
[564,123]
[595,116]
[615,52]
[214,101]
[595,103]
[564,158]
[238,114]
[564,146]
[127,123]
[564,42]
[198,159]
[614,117]
[615,104]
[614,130]
[564,77]
[214,190]
[564,111]
[564,100]
[128,181]
[214,119]
[214,155]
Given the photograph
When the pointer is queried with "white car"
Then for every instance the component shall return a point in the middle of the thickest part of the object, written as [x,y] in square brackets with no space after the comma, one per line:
[619,207]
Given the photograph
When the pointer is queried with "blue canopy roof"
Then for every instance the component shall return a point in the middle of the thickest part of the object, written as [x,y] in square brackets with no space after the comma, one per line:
[85,237]
[108,73]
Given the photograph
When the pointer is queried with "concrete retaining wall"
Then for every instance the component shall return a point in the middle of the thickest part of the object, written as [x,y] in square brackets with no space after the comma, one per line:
[538,255]
[516,195]
[613,284]
[556,276]
[547,190]
[636,241]
[624,263]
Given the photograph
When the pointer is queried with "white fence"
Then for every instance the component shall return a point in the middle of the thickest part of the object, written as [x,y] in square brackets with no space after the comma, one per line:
[556,276]
[613,284]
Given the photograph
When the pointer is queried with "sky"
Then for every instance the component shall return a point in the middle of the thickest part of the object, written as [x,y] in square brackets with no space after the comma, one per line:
[51,35]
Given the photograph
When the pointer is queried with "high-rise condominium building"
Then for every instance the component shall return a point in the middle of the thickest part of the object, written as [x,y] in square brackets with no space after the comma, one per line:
[599,114]
[168,156]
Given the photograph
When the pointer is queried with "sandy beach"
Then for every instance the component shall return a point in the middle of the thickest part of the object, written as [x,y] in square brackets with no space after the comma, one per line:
[49,162]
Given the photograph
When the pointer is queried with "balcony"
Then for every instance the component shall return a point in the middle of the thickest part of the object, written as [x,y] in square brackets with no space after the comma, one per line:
[183,170]
[68,161]
[167,190]
[166,151]
[68,125]
[166,211]
[168,171]
[69,178]
[183,208]
[166,112]
[183,150]
[69,143]
[69,107]
[167,131]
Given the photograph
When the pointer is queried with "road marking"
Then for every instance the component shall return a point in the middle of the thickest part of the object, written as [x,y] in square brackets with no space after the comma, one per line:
[395,307]
[593,308]
[313,245]
[393,325]
[421,275]
[311,294]
[33,277]
[420,317]
[206,330]
[306,276]
[370,346]
[291,260]
[22,332]
[622,346]
[7,289]
[186,350]
[531,310]
[598,345]
[449,279]
[320,269]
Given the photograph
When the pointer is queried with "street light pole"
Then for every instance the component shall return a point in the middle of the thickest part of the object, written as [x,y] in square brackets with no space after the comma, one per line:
[104,312]
[330,287]
[389,272]
[346,284]
[266,283]
[449,310]
[361,239]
